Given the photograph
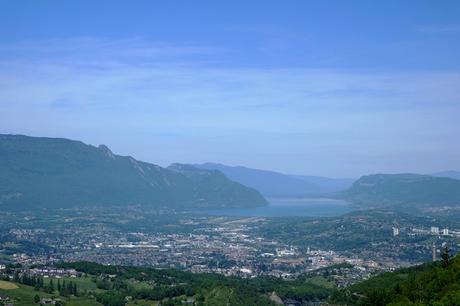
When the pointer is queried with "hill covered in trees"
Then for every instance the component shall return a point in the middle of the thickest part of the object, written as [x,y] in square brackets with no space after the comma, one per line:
[404,190]
[58,173]
[430,284]
[451,174]
[172,287]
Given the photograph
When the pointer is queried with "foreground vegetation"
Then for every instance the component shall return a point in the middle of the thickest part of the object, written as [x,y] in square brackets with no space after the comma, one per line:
[119,285]
[172,287]
[436,284]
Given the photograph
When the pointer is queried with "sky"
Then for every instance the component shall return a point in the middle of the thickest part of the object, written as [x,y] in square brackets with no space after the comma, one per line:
[331,88]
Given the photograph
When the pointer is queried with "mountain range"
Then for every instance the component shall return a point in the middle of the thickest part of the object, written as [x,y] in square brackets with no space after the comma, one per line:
[275,184]
[56,173]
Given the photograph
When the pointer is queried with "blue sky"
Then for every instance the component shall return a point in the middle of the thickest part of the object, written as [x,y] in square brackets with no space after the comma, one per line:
[337,88]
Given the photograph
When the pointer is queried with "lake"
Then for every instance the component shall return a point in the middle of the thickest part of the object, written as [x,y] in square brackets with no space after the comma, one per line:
[310,207]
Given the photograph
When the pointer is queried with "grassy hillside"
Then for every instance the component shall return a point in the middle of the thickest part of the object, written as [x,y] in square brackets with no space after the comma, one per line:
[22,295]
[55,173]
[5,285]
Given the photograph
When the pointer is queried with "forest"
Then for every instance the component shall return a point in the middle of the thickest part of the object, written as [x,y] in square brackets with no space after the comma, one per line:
[435,284]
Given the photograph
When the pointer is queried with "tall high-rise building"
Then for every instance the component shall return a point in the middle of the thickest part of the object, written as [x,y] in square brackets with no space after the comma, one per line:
[395,231]
[433,251]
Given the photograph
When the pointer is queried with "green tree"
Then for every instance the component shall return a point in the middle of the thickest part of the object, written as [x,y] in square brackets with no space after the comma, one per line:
[445,256]
[36,299]
[74,289]
[16,276]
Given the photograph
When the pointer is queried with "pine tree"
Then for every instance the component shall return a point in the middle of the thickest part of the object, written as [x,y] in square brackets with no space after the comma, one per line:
[36,299]
[51,285]
[24,279]
[16,276]
[445,257]
[397,289]
[74,289]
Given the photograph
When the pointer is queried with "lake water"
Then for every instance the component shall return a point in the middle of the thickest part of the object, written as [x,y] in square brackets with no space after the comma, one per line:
[290,207]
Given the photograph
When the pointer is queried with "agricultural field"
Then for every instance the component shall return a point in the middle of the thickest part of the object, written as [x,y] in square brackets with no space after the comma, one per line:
[7,285]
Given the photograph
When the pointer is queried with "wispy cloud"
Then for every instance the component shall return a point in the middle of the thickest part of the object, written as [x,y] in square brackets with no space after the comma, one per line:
[96,47]
[452,28]
[93,87]
[90,73]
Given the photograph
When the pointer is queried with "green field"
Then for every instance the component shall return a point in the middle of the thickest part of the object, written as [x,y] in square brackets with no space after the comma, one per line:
[82,302]
[321,282]
[142,303]
[83,283]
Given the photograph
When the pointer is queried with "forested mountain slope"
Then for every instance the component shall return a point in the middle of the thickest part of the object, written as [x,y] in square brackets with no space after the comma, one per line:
[404,190]
[56,173]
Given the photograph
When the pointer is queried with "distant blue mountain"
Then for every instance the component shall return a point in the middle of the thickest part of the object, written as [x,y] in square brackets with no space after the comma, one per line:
[450,174]
[274,184]
[327,184]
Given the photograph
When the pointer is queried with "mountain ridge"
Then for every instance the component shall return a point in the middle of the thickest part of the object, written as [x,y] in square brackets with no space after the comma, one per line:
[58,172]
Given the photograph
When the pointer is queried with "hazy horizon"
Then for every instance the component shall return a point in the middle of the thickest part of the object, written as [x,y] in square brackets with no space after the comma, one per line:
[337,89]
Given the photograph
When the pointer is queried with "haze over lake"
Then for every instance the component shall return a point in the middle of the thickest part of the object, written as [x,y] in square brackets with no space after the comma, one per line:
[309,207]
